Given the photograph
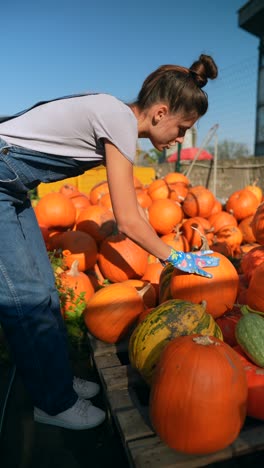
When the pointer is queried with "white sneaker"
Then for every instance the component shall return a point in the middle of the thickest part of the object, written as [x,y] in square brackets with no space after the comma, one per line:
[84,388]
[82,415]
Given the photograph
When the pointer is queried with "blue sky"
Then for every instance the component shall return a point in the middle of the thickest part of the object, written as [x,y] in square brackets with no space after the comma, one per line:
[55,47]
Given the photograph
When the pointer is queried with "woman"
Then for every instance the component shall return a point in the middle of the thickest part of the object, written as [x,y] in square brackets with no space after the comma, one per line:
[63,138]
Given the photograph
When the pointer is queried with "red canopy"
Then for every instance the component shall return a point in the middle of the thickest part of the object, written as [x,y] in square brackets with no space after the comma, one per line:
[189,154]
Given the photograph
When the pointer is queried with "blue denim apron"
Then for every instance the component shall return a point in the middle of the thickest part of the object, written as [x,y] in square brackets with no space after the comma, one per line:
[29,304]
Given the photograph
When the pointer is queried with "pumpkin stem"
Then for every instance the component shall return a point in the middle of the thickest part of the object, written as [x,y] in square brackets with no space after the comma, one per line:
[145,288]
[204,240]
[74,270]
[204,340]
[245,309]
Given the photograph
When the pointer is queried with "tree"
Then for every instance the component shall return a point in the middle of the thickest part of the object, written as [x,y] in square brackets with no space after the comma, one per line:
[228,149]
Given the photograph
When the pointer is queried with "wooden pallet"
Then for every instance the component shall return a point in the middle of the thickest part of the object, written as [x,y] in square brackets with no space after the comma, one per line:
[127,396]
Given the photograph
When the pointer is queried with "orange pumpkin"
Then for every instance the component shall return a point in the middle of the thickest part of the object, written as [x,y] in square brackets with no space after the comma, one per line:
[152,275]
[255,290]
[194,228]
[254,188]
[76,245]
[241,204]
[178,191]
[227,323]
[251,260]
[176,177]
[176,240]
[199,201]
[221,219]
[164,215]
[97,191]
[143,198]
[149,297]
[158,189]
[257,224]
[119,258]
[112,310]
[246,229]
[200,382]
[219,292]
[54,210]
[255,381]
[73,284]
[80,201]
[230,235]
[97,221]
[69,190]
[217,207]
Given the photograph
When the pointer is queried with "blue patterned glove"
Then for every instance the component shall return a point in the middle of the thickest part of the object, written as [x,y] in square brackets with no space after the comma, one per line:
[193,262]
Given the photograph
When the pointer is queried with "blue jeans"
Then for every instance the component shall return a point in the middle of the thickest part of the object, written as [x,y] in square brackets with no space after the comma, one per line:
[29,303]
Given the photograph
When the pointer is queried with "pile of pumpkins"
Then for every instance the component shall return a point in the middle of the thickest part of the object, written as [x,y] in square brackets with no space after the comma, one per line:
[197,342]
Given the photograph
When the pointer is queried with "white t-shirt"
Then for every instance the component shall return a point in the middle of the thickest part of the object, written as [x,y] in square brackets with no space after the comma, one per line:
[75,127]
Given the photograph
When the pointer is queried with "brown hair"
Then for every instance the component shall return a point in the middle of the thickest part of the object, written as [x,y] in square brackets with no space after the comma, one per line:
[179,87]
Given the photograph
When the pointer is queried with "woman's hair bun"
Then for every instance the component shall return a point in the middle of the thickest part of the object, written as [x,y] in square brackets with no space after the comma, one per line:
[202,69]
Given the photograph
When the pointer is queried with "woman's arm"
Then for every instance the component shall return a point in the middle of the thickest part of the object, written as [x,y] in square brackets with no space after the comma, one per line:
[129,218]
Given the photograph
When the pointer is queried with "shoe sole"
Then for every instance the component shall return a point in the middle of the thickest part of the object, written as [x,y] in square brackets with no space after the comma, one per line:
[44,420]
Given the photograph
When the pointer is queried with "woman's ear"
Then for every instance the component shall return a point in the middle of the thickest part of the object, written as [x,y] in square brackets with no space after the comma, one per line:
[160,111]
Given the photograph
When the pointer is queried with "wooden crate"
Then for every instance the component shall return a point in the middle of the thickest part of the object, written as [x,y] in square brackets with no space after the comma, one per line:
[128,396]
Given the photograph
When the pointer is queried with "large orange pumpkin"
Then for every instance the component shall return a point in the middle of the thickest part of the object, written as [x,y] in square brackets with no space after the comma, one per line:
[219,292]
[198,396]
[112,310]
[119,258]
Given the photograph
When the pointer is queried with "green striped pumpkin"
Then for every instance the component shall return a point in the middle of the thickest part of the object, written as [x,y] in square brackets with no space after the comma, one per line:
[165,322]
[250,336]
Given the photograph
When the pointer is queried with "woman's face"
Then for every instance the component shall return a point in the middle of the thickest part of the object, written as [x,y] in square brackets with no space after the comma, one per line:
[166,129]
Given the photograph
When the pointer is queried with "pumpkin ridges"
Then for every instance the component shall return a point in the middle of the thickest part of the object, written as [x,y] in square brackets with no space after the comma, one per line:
[202,386]
[112,310]
[120,258]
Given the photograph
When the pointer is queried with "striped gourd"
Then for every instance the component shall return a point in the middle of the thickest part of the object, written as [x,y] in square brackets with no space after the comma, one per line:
[250,336]
[164,283]
[165,322]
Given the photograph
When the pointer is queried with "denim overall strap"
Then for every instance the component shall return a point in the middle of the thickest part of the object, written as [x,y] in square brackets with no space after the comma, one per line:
[40,103]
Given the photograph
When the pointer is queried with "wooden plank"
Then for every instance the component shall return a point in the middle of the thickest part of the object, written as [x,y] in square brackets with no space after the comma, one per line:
[99,348]
[142,451]
[127,396]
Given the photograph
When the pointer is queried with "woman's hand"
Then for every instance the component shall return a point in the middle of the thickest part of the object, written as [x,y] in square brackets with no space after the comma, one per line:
[193,262]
